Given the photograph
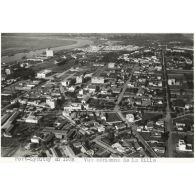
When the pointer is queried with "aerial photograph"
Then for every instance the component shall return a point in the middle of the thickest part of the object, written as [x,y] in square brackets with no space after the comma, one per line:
[97,95]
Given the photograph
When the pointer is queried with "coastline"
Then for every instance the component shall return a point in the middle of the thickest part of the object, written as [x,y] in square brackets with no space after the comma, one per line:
[18,56]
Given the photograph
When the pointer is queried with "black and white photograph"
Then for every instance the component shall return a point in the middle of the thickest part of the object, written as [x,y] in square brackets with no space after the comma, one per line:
[97,95]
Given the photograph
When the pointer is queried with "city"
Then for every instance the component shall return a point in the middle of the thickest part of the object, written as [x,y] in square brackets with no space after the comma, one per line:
[97,95]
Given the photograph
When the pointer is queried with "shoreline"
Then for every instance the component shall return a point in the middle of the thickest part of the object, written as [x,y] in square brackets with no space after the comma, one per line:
[18,56]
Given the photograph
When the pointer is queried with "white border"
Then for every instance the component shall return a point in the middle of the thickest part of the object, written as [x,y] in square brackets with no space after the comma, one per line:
[130,16]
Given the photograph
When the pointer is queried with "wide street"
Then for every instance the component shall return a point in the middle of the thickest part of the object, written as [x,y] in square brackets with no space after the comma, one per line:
[132,125]
[168,119]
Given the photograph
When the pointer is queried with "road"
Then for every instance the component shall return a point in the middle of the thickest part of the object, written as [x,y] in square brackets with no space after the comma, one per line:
[106,146]
[183,115]
[168,119]
[132,125]
[124,88]
[176,71]
[138,136]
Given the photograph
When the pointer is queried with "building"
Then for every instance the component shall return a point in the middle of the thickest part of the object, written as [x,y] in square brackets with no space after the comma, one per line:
[65,83]
[88,75]
[158,68]
[68,151]
[171,81]
[49,53]
[158,149]
[5,117]
[81,92]
[61,134]
[73,106]
[119,147]
[160,123]
[3,77]
[79,79]
[90,88]
[7,125]
[43,74]
[97,80]
[8,71]
[130,118]
[35,60]
[51,102]
[7,132]
[98,64]
[137,146]
[182,146]
[35,139]
[111,65]
[33,119]
[72,88]
[146,102]
[85,99]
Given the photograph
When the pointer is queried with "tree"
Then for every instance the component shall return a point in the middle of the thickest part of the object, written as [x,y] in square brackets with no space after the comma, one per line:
[111,136]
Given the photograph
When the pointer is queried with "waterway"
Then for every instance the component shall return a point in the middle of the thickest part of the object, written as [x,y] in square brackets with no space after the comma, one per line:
[78,43]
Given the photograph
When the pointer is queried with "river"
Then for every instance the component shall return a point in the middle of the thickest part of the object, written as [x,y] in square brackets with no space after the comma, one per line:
[17,57]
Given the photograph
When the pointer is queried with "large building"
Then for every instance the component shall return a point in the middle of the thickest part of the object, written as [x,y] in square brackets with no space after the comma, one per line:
[6,123]
[79,79]
[43,74]
[97,80]
[49,53]
[33,119]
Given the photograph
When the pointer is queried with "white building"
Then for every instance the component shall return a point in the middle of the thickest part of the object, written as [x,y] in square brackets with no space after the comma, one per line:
[81,92]
[182,146]
[65,83]
[35,139]
[98,64]
[188,106]
[160,123]
[111,65]
[71,89]
[160,83]
[79,79]
[8,71]
[33,119]
[97,80]
[51,102]
[43,74]
[130,118]
[118,147]
[73,106]
[49,53]
[171,81]
[91,88]
[89,75]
